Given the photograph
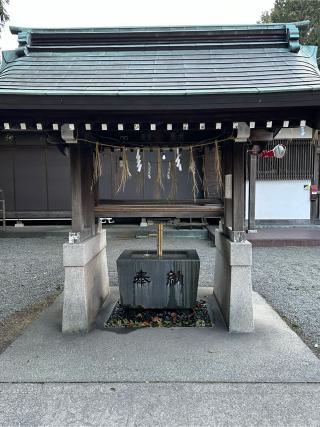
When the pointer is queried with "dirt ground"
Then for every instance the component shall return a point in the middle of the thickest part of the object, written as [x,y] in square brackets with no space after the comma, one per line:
[15,324]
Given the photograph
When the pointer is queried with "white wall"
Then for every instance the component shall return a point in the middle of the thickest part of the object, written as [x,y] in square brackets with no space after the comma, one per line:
[282,200]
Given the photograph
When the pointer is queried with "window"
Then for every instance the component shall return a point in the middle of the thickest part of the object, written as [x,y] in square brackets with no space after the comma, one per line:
[297,164]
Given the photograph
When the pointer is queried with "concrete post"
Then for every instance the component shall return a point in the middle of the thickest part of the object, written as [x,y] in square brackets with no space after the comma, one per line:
[86,283]
[232,282]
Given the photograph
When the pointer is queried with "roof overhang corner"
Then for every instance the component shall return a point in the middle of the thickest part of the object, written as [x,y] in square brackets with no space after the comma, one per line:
[293,37]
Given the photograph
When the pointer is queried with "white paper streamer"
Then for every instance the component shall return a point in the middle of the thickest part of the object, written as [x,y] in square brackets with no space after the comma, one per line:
[139,163]
[149,170]
[178,160]
[169,171]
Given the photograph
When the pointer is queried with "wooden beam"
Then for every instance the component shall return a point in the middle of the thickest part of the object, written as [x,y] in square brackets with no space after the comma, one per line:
[286,103]
[156,210]
[252,192]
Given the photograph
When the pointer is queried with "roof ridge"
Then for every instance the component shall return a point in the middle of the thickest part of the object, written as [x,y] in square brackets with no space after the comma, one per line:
[244,36]
[298,24]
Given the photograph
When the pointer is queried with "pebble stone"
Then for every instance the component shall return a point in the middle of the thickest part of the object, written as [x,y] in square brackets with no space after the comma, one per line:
[31,269]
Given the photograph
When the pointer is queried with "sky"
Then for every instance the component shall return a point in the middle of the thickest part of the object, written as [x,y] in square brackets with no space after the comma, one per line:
[115,13]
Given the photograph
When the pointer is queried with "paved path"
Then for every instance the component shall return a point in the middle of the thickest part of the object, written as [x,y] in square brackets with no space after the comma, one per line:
[286,236]
[160,377]
[162,404]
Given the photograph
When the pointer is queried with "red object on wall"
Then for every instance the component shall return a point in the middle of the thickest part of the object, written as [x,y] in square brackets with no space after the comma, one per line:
[314,189]
[278,151]
[267,153]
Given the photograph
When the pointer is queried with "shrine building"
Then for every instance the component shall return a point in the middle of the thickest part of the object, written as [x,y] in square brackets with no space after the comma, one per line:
[157,123]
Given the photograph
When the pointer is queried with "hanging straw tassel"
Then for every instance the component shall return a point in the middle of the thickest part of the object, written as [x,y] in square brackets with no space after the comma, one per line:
[193,171]
[97,167]
[218,168]
[125,171]
[159,169]
[174,185]
[205,176]
[159,174]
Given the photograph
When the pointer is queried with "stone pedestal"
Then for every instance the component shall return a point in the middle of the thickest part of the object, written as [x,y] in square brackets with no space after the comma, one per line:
[232,282]
[86,283]
[147,280]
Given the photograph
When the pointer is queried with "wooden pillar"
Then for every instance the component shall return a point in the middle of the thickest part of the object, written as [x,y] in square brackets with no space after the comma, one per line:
[76,188]
[234,174]
[314,204]
[81,168]
[227,174]
[252,192]
[88,189]
[238,190]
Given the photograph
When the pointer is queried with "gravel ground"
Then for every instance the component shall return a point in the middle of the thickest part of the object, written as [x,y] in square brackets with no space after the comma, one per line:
[289,279]
[31,270]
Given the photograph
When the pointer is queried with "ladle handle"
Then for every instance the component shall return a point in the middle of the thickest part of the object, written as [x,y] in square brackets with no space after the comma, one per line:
[160,239]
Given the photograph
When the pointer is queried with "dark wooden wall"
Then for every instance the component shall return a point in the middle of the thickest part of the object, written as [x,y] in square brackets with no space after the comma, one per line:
[35,176]
[139,186]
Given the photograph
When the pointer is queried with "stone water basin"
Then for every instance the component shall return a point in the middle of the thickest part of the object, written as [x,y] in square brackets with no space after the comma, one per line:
[149,281]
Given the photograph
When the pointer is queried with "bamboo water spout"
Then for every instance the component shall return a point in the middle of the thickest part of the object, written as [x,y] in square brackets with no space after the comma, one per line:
[160,240]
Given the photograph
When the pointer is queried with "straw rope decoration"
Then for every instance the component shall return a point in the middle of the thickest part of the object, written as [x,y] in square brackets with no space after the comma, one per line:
[205,177]
[117,146]
[193,171]
[174,184]
[125,171]
[159,174]
[126,174]
[218,167]
[97,166]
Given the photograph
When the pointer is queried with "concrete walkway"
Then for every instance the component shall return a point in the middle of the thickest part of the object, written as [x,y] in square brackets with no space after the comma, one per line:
[160,377]
[286,236]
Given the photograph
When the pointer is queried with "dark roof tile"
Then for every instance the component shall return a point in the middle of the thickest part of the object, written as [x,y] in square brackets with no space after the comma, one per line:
[156,61]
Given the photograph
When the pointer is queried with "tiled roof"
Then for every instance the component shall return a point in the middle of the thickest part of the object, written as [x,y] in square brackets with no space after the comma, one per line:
[151,61]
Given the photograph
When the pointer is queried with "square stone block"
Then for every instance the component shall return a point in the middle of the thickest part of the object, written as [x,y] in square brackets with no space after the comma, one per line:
[86,284]
[232,282]
[149,281]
